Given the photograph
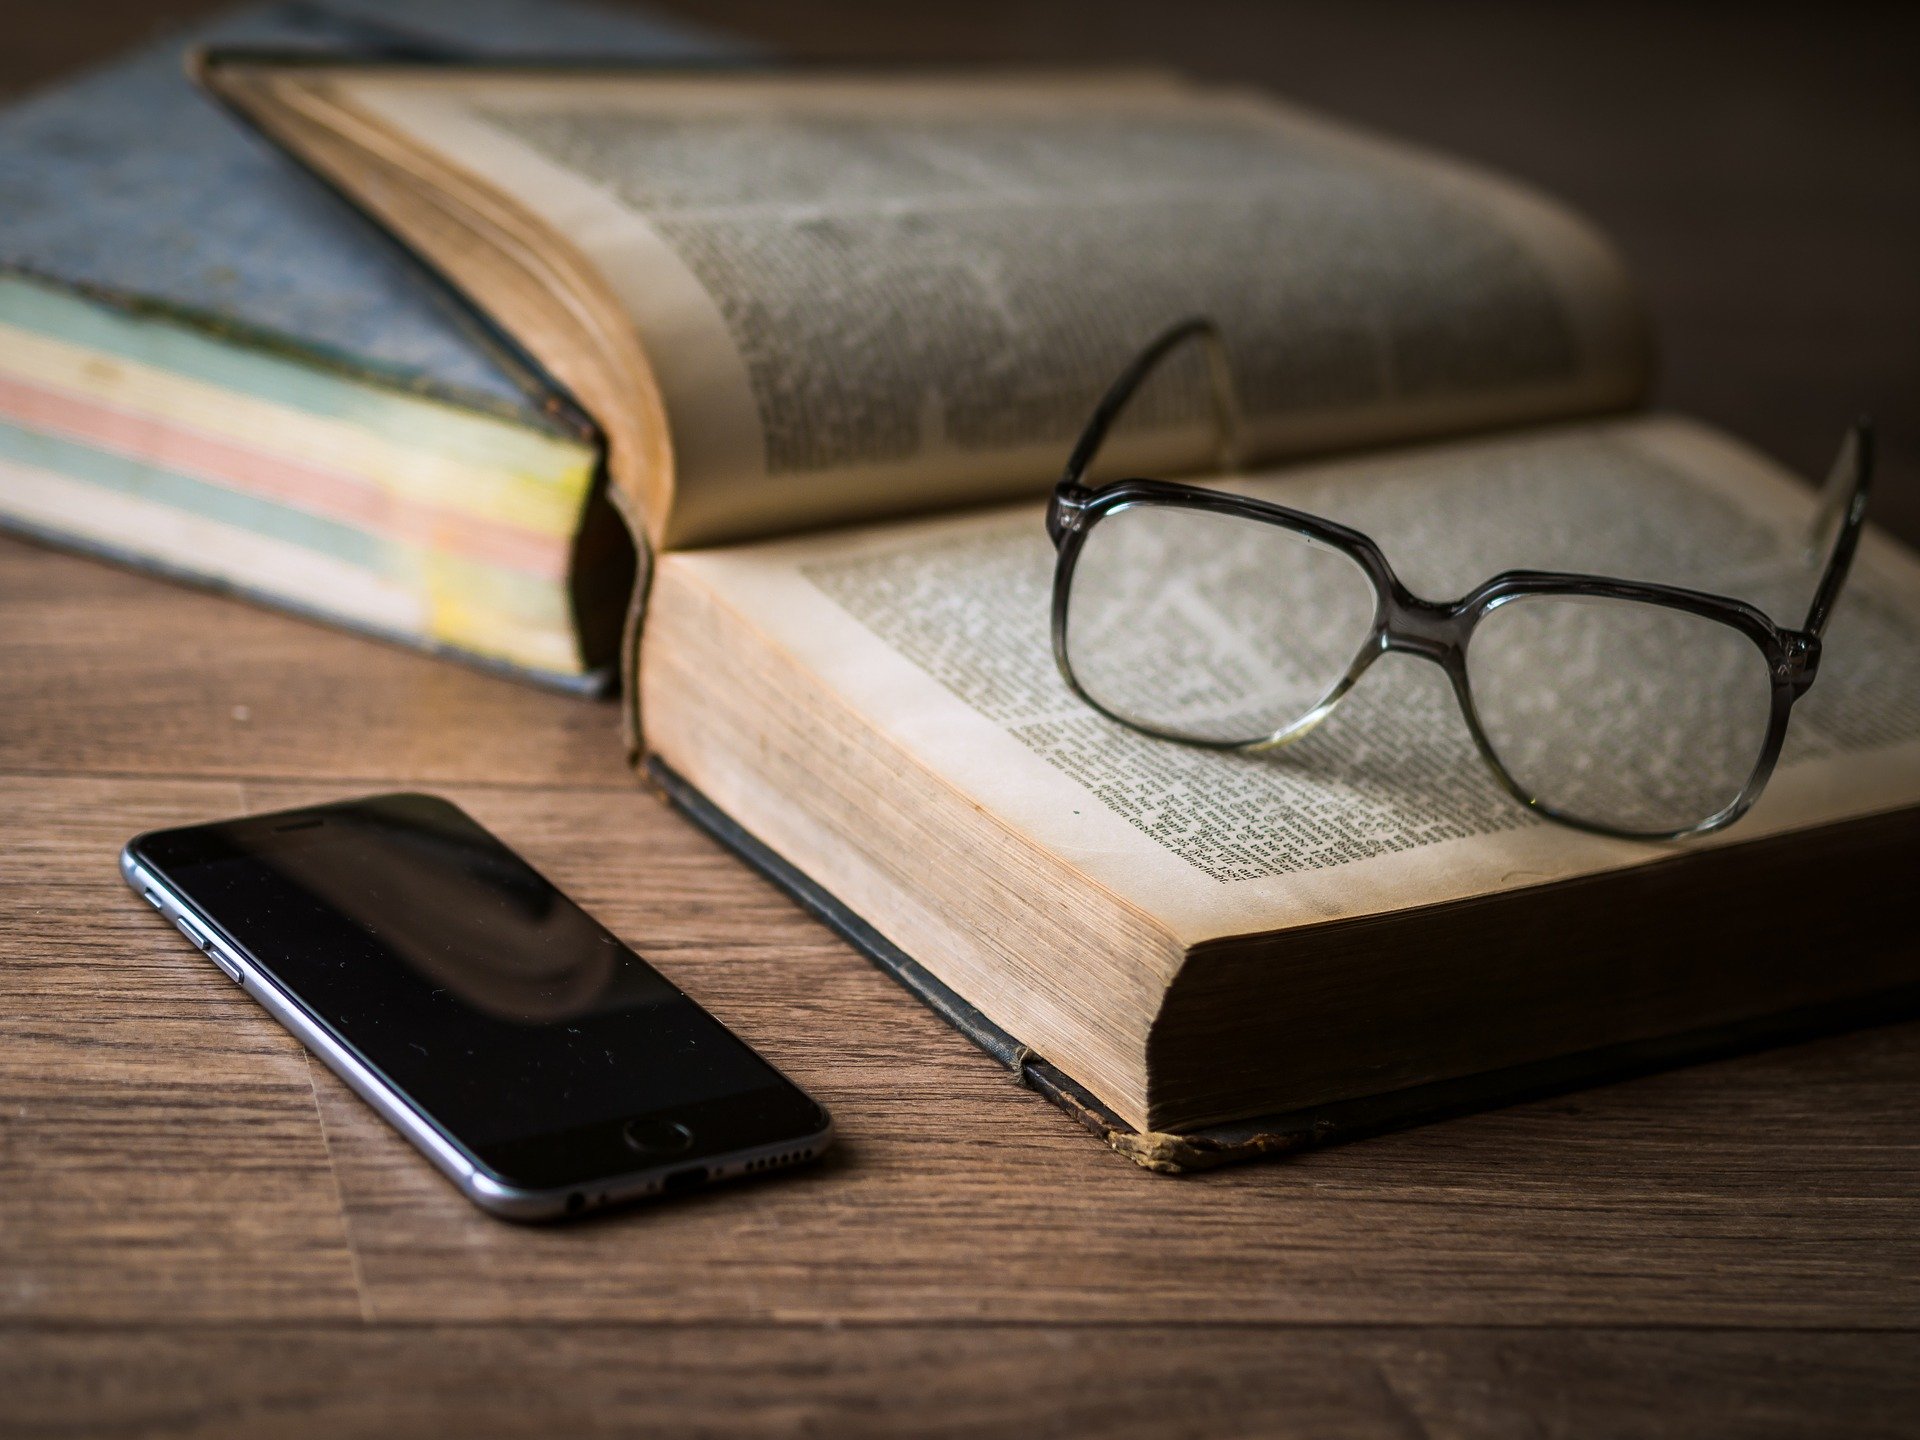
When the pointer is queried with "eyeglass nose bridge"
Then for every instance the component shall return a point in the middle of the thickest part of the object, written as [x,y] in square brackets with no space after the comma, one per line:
[1426,628]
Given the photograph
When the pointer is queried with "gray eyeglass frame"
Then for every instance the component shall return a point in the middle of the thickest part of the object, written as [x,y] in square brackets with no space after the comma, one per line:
[1440,631]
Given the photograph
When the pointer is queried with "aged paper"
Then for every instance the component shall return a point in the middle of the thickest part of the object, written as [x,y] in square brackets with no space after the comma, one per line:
[871,296]
[936,634]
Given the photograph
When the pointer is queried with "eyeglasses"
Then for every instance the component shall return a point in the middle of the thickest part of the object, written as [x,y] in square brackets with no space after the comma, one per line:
[1629,709]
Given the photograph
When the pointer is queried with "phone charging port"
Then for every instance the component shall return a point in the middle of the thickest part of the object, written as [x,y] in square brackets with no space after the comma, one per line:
[691,1178]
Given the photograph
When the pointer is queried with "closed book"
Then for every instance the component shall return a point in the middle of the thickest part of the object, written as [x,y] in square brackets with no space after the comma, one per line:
[211,367]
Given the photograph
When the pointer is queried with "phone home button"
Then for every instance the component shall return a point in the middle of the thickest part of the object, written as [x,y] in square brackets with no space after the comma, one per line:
[657,1137]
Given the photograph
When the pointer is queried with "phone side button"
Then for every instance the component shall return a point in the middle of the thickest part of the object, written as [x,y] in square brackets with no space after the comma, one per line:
[227,967]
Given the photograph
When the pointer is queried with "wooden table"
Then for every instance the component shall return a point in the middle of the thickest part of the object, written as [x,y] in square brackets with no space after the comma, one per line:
[202,1232]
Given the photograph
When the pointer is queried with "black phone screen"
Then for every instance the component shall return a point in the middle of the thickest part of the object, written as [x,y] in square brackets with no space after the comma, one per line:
[523,1028]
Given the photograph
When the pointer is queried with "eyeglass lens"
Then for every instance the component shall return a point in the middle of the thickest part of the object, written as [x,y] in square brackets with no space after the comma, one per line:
[1211,627]
[1637,717]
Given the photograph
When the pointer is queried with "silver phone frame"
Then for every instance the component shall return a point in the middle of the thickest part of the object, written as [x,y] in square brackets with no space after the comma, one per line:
[492,1195]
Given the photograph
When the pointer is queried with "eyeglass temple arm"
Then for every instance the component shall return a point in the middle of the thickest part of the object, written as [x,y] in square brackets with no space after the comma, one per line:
[1226,410]
[1839,520]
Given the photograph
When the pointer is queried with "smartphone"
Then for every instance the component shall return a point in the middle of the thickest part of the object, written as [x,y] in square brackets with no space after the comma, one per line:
[540,1063]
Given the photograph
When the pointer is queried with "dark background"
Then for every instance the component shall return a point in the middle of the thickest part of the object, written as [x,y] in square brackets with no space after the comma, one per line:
[1759,165]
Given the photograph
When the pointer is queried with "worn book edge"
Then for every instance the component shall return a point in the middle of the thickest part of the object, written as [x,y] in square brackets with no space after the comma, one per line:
[1286,1132]
[547,413]
[597,683]
[333,368]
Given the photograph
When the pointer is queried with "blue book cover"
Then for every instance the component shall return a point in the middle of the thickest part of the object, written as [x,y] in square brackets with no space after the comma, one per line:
[129,182]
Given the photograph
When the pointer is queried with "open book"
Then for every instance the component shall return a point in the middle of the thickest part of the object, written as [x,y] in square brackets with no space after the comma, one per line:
[839,333]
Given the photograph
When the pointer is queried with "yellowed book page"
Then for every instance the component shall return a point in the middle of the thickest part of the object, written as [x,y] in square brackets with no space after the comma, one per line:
[937,633]
[873,296]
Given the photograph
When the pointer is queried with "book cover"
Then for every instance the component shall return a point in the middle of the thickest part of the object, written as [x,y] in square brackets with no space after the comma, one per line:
[128,182]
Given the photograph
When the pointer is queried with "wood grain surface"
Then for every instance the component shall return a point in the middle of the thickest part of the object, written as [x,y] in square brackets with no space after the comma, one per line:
[203,1233]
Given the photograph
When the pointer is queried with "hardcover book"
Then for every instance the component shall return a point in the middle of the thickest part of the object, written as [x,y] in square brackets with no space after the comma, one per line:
[840,331]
